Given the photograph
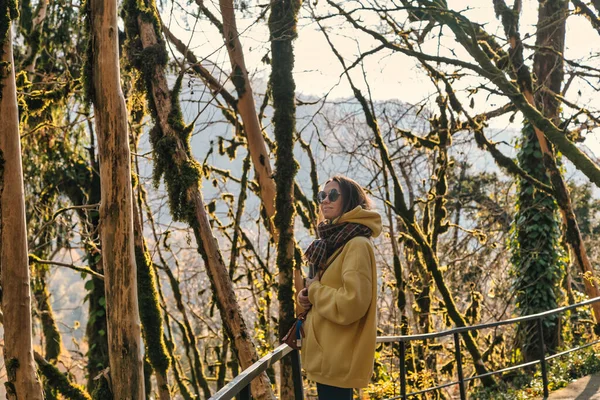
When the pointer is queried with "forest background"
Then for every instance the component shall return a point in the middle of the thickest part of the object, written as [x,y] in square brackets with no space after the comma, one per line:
[473,125]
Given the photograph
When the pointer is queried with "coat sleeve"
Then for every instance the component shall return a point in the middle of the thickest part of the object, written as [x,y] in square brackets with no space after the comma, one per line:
[350,302]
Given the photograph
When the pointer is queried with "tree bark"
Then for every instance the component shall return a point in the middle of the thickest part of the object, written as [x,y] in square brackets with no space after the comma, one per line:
[282,27]
[150,315]
[22,379]
[36,29]
[124,333]
[247,110]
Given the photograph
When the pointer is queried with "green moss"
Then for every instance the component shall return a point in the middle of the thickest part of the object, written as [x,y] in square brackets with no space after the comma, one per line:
[239,81]
[26,17]
[132,9]
[178,178]
[102,390]
[150,315]
[36,102]
[87,70]
[149,62]
[49,327]
[11,369]
[97,354]
[144,59]
[59,381]
[8,12]
[283,21]
[151,57]
[148,378]
[176,116]
[11,392]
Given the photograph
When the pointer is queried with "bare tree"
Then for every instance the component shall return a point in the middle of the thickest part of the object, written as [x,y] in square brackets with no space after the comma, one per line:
[116,210]
[173,160]
[282,26]
[23,381]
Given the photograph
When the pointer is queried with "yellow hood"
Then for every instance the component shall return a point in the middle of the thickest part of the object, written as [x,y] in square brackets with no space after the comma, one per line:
[368,218]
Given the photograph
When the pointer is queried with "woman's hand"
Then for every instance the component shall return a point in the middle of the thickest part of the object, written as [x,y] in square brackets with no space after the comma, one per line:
[303,299]
[309,281]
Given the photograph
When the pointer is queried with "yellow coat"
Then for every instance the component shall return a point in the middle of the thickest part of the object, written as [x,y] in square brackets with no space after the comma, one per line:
[341,327]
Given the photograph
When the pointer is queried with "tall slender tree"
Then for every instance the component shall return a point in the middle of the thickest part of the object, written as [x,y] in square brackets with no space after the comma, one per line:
[22,379]
[150,314]
[282,27]
[124,332]
[247,110]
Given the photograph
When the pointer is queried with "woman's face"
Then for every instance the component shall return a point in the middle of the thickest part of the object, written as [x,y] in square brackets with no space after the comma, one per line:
[332,209]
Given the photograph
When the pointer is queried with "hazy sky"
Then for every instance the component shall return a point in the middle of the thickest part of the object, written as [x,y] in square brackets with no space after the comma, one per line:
[390,75]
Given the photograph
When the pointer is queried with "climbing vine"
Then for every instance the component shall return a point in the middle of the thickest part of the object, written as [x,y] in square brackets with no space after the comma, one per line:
[537,256]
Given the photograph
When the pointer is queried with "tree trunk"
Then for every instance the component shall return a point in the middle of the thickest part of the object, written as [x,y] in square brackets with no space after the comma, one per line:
[282,26]
[539,277]
[34,45]
[22,379]
[550,66]
[549,69]
[247,110]
[151,318]
[124,336]
[536,252]
[173,159]
[53,342]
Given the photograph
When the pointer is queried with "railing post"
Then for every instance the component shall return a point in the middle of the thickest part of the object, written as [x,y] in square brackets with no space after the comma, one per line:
[459,369]
[540,329]
[297,375]
[402,369]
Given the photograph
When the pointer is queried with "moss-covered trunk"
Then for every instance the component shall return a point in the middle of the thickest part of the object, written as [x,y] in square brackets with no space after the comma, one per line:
[536,252]
[173,159]
[52,345]
[97,327]
[149,308]
[59,381]
[22,379]
[282,27]
[549,70]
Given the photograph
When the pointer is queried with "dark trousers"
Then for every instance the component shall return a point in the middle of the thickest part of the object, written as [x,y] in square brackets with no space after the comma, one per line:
[327,392]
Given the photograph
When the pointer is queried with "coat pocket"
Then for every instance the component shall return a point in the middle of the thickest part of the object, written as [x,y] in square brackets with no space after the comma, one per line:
[338,344]
[312,352]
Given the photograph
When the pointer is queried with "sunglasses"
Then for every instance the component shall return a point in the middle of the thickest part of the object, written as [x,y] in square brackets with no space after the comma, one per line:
[333,196]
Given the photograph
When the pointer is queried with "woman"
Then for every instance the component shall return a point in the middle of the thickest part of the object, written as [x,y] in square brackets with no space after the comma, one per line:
[340,328]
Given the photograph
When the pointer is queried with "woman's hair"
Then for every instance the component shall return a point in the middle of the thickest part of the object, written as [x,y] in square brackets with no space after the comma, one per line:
[353,195]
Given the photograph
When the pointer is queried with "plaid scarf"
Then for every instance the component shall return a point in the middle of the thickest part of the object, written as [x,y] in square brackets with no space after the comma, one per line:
[331,238]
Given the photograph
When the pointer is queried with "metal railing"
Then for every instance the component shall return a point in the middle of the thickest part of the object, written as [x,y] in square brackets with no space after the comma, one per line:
[239,387]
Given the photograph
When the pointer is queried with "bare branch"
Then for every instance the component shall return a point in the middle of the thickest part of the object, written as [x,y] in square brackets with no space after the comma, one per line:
[37,260]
